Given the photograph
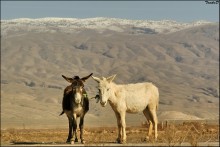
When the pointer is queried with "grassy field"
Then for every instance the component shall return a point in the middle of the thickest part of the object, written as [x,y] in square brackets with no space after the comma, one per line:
[171,134]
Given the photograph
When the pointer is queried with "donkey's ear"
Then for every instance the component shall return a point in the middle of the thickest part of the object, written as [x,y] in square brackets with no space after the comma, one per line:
[85,78]
[68,79]
[96,79]
[111,78]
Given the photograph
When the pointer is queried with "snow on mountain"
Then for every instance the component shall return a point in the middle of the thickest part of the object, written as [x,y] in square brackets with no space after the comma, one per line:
[99,24]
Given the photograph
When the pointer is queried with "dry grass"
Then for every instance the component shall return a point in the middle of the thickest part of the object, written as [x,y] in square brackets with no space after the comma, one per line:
[172,134]
[192,132]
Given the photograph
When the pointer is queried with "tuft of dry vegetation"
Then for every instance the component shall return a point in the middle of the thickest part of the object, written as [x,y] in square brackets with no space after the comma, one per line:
[171,134]
[192,132]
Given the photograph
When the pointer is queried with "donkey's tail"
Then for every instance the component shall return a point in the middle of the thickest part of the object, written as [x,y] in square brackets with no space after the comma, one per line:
[157,105]
[62,113]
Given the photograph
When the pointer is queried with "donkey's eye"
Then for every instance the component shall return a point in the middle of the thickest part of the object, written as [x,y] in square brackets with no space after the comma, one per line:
[108,89]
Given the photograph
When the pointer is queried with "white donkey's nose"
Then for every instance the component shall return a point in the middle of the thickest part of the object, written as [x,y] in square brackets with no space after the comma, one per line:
[103,103]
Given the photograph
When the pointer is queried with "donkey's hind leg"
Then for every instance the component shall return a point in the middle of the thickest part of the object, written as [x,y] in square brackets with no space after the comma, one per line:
[151,111]
[149,119]
[153,115]
[76,139]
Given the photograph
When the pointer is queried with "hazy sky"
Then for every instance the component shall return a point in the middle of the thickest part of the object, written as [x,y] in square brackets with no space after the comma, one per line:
[183,11]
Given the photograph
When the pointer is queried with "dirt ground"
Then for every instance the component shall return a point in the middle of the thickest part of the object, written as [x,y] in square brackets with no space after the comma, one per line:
[168,134]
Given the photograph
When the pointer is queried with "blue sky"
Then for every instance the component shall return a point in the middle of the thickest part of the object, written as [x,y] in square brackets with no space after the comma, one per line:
[183,11]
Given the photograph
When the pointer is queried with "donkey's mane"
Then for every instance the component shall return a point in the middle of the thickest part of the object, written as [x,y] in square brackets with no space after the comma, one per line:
[76,77]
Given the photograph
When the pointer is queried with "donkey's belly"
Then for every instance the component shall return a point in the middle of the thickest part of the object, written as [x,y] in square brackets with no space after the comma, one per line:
[135,109]
[136,105]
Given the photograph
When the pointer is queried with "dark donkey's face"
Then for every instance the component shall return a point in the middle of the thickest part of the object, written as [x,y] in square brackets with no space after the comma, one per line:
[77,88]
[77,85]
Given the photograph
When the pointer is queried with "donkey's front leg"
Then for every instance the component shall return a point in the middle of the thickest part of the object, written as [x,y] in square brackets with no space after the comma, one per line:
[70,135]
[123,124]
[74,124]
[118,140]
[81,126]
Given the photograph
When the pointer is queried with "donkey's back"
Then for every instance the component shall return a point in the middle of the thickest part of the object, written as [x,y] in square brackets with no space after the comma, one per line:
[140,95]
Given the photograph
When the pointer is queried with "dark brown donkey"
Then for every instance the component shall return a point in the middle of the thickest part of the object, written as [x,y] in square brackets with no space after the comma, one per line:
[75,104]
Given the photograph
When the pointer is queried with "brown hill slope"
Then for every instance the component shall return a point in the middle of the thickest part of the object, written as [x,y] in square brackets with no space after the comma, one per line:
[184,65]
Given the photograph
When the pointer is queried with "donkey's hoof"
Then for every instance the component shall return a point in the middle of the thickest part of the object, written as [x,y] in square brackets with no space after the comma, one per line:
[147,138]
[83,141]
[123,142]
[68,141]
[155,137]
[72,142]
[118,140]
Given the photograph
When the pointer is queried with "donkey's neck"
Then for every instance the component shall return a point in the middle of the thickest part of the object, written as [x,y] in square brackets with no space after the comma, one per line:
[77,104]
[113,98]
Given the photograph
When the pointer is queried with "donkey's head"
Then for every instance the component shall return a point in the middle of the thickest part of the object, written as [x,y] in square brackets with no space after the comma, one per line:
[78,94]
[77,86]
[105,89]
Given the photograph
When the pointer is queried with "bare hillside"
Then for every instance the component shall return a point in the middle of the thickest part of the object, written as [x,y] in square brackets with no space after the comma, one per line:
[184,64]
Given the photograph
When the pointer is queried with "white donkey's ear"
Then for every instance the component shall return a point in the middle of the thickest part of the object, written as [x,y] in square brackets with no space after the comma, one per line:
[96,79]
[111,78]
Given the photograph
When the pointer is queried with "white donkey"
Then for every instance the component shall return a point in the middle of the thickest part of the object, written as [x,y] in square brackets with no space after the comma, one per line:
[131,98]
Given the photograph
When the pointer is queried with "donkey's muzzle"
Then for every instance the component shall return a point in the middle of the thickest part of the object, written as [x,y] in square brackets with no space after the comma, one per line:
[103,103]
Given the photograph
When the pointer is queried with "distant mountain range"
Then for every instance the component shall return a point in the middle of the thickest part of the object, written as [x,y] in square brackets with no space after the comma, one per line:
[100,24]
[181,59]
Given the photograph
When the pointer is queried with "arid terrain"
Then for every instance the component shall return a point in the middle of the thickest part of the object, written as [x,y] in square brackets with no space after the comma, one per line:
[183,63]
[173,134]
